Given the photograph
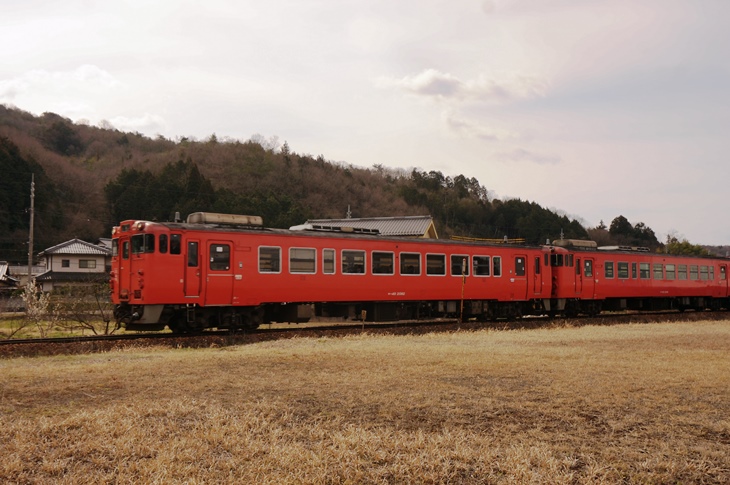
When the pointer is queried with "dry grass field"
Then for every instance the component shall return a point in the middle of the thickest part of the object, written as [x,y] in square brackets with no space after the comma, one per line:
[596,404]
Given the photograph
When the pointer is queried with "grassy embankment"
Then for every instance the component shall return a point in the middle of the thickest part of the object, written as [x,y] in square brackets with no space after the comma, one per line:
[635,403]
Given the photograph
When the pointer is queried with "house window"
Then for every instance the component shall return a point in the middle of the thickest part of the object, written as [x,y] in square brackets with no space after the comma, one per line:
[65,263]
[87,263]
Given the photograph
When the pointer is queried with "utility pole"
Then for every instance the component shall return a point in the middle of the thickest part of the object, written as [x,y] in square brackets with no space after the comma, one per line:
[30,239]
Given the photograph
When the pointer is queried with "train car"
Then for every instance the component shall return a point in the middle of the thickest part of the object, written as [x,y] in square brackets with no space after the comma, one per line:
[592,279]
[228,271]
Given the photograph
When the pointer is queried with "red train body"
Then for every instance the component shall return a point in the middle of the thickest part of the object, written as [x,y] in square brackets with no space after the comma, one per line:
[224,271]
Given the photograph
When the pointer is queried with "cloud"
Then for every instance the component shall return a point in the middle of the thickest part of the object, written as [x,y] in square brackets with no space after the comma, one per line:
[41,82]
[473,129]
[147,123]
[522,155]
[434,83]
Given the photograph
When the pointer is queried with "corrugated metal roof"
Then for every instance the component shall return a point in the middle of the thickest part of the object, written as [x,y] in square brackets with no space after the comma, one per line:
[387,226]
[76,246]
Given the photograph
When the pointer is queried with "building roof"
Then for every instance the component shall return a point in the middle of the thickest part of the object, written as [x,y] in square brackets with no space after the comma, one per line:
[410,226]
[5,278]
[68,277]
[76,247]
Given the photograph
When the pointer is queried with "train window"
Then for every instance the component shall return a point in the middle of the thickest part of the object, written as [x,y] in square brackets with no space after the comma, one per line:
[410,263]
[608,269]
[193,253]
[383,263]
[703,273]
[588,268]
[712,273]
[497,266]
[482,265]
[328,261]
[671,273]
[644,271]
[682,272]
[163,243]
[220,257]
[723,273]
[125,250]
[556,260]
[569,260]
[302,260]
[459,265]
[623,270]
[658,271]
[138,244]
[519,266]
[693,273]
[115,248]
[175,243]
[353,262]
[633,270]
[269,259]
[436,264]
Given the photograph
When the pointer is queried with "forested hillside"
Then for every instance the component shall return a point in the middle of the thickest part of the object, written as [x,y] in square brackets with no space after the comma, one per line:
[89,178]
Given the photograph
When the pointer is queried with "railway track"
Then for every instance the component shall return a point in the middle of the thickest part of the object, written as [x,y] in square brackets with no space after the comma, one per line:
[104,343]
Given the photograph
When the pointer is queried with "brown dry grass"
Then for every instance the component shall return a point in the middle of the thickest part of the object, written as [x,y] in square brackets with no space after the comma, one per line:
[626,403]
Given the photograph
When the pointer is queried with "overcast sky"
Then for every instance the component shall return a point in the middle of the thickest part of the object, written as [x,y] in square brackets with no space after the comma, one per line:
[596,108]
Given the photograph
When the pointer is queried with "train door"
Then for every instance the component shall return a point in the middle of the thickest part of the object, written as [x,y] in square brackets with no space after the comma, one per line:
[520,277]
[192,269]
[124,269]
[219,273]
[537,278]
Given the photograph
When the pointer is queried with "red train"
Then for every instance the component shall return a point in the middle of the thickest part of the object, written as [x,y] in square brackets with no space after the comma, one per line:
[228,271]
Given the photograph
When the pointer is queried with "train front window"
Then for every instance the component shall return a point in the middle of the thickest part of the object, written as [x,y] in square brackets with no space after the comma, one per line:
[125,250]
[175,243]
[163,243]
[143,243]
[556,260]
[115,248]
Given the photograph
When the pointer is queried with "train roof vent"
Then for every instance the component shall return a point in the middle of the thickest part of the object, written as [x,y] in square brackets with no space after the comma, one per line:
[636,249]
[325,228]
[575,243]
[224,219]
